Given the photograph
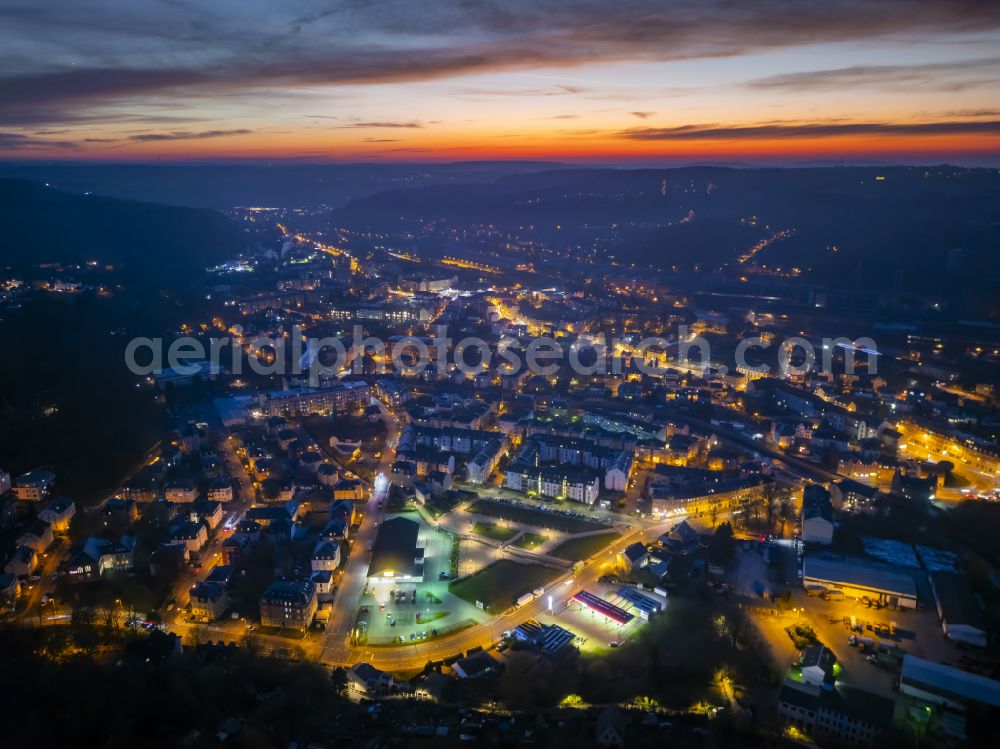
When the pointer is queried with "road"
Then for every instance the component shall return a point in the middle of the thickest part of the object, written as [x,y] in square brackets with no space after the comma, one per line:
[49,561]
[978,483]
[352,583]
[793,466]
[211,554]
[415,657]
[334,646]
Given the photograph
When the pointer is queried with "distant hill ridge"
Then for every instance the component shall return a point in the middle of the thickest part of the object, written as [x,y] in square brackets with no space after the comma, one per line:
[149,241]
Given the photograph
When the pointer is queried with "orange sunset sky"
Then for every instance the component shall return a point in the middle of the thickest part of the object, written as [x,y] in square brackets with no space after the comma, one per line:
[631,82]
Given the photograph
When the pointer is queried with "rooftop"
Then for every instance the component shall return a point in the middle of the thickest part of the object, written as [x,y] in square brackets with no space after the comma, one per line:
[395,552]
[951,681]
[863,576]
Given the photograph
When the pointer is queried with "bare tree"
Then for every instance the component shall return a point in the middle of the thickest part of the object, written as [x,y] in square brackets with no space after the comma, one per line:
[110,612]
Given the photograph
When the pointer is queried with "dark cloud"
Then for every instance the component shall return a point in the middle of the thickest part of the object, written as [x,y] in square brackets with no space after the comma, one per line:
[941,76]
[769,131]
[974,113]
[144,137]
[382,124]
[518,92]
[642,115]
[22,142]
[43,97]
[380,140]
[110,51]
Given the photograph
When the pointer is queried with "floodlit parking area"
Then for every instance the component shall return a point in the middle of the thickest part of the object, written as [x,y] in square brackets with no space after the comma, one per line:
[394,612]
[915,632]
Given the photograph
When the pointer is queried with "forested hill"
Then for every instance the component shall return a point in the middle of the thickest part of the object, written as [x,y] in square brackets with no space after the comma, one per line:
[150,242]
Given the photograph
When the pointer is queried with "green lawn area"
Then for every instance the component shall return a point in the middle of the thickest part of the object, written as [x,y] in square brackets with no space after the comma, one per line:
[494,531]
[501,583]
[530,540]
[537,518]
[581,548]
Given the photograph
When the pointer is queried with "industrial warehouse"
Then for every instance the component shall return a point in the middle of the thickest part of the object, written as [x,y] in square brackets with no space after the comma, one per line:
[860,581]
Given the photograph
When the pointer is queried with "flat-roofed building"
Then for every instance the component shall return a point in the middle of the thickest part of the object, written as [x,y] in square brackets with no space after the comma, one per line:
[339,398]
[946,686]
[396,554]
[860,581]
[646,606]
[961,617]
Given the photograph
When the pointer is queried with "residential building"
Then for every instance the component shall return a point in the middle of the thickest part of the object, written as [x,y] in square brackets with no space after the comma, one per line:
[326,556]
[350,489]
[209,601]
[220,489]
[193,535]
[123,510]
[610,732]
[842,716]
[476,665]
[207,511]
[634,556]
[98,557]
[38,536]
[817,515]
[485,461]
[339,398]
[323,580]
[22,563]
[363,678]
[392,391]
[817,664]
[34,485]
[560,482]
[289,604]
[181,490]
[722,493]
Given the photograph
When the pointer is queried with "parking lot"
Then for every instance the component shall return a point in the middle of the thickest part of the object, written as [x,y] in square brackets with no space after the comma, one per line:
[394,612]
[916,632]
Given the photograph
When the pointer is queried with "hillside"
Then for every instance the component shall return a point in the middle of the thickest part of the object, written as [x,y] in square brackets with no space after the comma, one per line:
[280,185]
[150,242]
[847,226]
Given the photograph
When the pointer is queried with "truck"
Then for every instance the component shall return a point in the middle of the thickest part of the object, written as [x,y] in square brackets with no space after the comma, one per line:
[527,597]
